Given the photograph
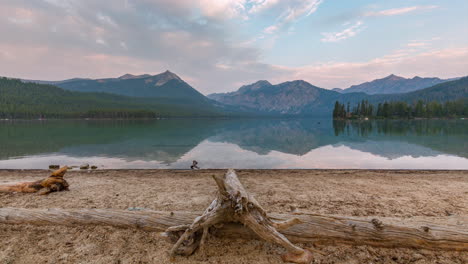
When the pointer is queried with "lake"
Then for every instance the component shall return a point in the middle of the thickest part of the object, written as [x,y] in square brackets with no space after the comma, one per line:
[237,143]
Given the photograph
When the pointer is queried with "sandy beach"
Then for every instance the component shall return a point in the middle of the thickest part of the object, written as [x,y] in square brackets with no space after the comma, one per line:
[384,193]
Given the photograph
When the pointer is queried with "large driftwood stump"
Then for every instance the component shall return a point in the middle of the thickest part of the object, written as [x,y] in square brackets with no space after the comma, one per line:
[234,204]
[53,183]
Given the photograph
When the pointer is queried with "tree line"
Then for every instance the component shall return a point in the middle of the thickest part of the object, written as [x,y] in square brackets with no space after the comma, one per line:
[20,100]
[399,109]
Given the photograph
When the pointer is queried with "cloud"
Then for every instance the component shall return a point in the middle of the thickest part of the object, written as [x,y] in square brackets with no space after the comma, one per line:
[363,13]
[398,11]
[261,5]
[417,44]
[422,43]
[196,39]
[222,9]
[101,41]
[19,16]
[150,36]
[200,40]
[271,29]
[293,10]
[106,19]
[443,63]
[345,34]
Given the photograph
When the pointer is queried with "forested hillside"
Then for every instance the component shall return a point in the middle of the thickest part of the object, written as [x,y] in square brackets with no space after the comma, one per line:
[448,99]
[447,91]
[31,100]
[395,109]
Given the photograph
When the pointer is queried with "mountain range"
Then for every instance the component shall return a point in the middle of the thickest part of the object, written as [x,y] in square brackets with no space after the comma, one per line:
[302,98]
[32,100]
[166,94]
[393,84]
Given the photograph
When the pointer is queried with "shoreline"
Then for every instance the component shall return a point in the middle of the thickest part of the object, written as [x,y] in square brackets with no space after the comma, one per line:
[190,171]
[417,194]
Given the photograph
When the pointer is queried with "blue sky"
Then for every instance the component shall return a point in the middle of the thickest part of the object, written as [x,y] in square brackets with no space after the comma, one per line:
[219,45]
[376,33]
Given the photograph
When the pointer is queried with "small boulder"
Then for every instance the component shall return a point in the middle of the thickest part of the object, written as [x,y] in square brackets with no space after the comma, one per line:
[93,167]
[54,167]
[84,166]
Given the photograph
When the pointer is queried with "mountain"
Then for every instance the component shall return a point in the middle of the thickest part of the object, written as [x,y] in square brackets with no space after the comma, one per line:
[166,94]
[240,99]
[300,98]
[392,84]
[164,85]
[291,98]
[31,100]
[447,91]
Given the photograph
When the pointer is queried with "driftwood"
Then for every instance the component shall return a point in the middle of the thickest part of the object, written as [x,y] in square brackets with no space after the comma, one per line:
[234,204]
[235,213]
[318,229]
[53,183]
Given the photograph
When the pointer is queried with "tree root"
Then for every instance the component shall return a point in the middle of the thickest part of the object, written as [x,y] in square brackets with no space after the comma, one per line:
[234,204]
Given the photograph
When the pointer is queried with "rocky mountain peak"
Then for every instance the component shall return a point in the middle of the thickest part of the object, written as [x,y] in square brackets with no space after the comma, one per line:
[393,77]
[300,82]
[164,77]
[262,82]
[126,76]
[169,75]
[254,86]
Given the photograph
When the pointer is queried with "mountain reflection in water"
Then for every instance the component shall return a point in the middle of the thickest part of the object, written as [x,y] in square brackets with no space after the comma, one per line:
[240,143]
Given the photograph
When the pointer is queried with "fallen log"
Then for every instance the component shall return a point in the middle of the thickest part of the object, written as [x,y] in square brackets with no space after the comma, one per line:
[53,183]
[319,229]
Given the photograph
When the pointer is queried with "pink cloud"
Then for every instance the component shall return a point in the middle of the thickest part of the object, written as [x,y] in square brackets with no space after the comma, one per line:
[222,9]
[399,11]
[342,35]
[417,44]
[293,10]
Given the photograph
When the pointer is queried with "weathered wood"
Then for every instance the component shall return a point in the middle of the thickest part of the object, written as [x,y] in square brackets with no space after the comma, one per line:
[233,204]
[53,183]
[321,229]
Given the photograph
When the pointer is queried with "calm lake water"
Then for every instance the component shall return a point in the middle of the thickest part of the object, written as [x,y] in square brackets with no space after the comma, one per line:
[239,143]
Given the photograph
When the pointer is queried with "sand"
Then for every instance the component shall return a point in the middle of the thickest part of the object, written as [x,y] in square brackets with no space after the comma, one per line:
[386,193]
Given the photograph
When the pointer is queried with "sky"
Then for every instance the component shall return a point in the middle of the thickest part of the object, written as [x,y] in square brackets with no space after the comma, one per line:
[220,45]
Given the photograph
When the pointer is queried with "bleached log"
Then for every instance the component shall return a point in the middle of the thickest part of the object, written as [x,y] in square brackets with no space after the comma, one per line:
[319,229]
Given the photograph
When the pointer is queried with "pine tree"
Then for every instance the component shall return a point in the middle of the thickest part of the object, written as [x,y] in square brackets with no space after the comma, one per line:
[336,109]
